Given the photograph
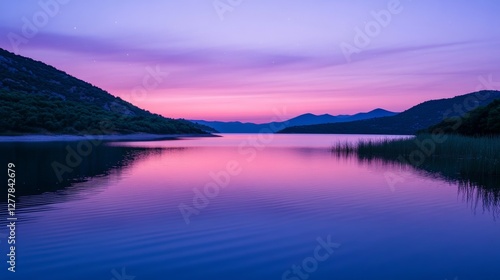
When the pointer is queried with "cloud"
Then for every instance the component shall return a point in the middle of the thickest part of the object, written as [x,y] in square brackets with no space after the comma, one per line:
[185,52]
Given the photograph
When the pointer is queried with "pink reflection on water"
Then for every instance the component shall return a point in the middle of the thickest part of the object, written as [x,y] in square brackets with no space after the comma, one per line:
[282,167]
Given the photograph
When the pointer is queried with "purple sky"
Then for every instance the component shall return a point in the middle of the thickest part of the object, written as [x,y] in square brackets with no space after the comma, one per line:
[246,61]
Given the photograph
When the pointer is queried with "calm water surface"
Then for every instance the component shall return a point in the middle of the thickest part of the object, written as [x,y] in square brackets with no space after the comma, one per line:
[242,207]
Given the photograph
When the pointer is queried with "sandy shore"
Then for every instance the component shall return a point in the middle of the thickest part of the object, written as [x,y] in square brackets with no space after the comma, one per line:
[109,138]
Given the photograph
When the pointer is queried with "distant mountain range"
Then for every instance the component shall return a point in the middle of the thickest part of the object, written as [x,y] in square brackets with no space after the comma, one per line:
[305,119]
[38,98]
[408,122]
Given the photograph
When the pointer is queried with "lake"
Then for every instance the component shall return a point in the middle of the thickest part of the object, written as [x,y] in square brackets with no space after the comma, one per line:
[241,206]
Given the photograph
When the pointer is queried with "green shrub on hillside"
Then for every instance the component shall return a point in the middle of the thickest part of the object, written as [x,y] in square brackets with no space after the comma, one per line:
[39,113]
[479,122]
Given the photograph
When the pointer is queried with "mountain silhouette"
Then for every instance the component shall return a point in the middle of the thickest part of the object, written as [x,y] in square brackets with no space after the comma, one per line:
[304,119]
[38,98]
[408,122]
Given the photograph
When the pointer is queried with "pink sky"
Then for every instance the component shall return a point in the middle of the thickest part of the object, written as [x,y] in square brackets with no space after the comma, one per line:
[262,57]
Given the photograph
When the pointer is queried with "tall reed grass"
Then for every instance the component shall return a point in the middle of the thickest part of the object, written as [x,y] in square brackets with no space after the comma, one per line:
[472,162]
[466,155]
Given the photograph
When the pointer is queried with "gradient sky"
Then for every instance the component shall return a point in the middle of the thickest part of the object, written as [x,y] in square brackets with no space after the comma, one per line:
[264,55]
